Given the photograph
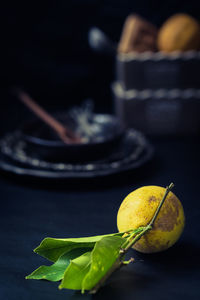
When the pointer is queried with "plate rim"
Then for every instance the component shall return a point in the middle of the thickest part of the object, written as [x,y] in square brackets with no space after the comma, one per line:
[17,170]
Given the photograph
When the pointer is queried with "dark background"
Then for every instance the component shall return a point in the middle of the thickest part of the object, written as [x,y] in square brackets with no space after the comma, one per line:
[45,50]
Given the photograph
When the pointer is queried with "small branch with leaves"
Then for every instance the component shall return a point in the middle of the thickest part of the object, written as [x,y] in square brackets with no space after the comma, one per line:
[86,263]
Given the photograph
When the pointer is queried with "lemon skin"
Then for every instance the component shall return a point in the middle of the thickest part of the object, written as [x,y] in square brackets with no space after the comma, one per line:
[138,208]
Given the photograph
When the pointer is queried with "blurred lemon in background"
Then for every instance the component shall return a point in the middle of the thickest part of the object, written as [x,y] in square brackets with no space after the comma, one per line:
[181,32]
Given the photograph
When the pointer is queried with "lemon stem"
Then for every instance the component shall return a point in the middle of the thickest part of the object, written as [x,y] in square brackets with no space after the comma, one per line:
[168,189]
[132,241]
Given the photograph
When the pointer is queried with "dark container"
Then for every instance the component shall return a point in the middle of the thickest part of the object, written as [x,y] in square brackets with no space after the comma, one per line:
[158,70]
[42,142]
[158,112]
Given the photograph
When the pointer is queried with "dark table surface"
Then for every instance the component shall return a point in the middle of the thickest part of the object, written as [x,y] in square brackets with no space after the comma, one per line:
[34,209]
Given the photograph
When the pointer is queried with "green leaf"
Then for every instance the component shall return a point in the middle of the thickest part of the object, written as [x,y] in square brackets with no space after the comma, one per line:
[103,257]
[52,248]
[56,271]
[76,271]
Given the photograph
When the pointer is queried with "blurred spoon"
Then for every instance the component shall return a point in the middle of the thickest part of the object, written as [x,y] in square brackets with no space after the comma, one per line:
[100,42]
[64,133]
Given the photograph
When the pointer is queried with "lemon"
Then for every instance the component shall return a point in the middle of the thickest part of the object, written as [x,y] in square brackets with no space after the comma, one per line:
[181,32]
[138,208]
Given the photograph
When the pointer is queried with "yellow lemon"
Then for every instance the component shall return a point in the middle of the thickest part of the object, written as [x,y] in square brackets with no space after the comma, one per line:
[138,209]
[180,32]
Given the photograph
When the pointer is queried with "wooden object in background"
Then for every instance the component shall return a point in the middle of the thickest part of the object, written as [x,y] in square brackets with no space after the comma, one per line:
[64,133]
[138,35]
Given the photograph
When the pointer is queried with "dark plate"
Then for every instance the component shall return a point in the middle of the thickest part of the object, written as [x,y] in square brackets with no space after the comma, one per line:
[100,134]
[132,152]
